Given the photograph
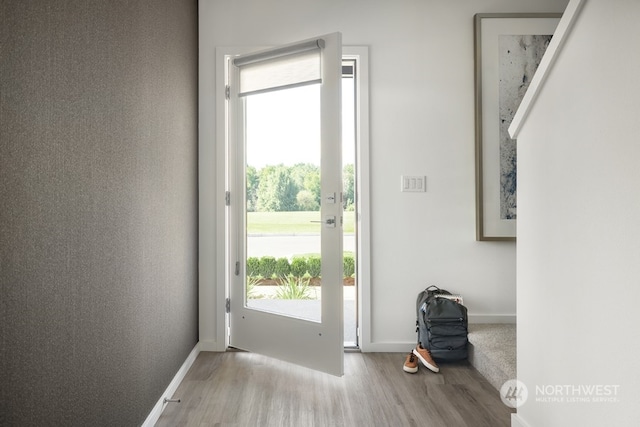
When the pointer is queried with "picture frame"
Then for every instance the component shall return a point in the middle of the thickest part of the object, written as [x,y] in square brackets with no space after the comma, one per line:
[507,47]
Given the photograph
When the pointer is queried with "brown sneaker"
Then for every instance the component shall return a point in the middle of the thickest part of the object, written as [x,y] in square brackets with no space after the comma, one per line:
[410,364]
[425,357]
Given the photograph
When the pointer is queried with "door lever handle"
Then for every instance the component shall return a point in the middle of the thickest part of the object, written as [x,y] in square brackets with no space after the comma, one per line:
[329,221]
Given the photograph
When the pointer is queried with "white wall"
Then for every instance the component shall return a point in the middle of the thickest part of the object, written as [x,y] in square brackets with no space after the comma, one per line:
[578,224]
[422,123]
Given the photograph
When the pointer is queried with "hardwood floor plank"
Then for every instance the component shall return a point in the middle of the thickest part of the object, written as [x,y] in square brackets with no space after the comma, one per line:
[245,389]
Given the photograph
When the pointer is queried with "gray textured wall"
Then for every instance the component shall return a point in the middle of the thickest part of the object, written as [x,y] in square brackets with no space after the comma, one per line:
[98,218]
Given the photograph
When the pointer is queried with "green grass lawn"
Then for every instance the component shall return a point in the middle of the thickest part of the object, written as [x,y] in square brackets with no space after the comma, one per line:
[291,222]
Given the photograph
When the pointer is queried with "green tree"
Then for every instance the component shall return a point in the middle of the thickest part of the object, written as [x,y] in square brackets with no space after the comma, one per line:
[299,171]
[276,190]
[312,184]
[349,186]
[307,201]
[252,188]
[306,177]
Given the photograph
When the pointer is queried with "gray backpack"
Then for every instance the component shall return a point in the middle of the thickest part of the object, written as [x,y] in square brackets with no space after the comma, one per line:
[442,325]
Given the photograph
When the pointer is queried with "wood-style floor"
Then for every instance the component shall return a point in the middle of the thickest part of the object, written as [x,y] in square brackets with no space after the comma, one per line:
[245,389]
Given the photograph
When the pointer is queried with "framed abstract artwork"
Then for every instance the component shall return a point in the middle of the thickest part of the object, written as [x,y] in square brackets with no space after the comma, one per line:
[508,50]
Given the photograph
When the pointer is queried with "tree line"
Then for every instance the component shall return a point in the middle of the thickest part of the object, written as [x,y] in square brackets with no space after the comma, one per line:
[283,188]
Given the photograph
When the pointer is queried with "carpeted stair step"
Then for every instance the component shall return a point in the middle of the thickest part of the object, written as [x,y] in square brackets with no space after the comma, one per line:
[492,351]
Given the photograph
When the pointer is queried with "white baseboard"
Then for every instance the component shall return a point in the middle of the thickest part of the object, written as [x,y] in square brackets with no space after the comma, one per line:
[155,413]
[492,318]
[517,421]
[388,347]
[211,346]
[400,347]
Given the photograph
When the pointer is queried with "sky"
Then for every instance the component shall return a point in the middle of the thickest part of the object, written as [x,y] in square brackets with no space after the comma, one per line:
[283,126]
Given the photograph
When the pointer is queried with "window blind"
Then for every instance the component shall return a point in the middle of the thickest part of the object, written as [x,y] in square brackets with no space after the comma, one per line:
[281,68]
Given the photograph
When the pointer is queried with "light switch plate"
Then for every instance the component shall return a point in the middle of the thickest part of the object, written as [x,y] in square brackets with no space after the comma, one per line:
[413,183]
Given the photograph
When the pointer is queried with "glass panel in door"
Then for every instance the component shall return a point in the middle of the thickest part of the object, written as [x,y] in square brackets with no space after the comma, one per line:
[282,145]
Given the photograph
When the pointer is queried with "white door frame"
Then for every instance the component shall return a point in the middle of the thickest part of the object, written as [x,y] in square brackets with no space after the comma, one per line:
[212,251]
[363,230]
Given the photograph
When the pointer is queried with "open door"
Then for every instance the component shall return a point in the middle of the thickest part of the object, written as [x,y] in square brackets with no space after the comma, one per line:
[274,95]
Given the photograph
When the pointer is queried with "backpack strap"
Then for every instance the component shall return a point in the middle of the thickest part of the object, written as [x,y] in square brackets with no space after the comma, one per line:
[434,290]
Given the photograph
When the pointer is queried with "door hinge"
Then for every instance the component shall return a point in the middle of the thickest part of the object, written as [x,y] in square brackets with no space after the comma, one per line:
[227,198]
[237,268]
[227,92]
[227,306]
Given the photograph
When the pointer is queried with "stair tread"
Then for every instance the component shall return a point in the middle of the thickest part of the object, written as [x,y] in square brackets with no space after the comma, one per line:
[493,351]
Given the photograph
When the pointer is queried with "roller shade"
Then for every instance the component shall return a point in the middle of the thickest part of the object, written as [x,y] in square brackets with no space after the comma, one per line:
[281,68]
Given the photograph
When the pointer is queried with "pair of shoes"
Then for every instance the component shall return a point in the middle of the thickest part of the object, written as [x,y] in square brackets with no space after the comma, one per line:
[410,364]
[425,357]
[421,353]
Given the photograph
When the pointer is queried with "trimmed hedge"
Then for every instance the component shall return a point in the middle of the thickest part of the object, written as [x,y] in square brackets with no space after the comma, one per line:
[298,266]
[282,267]
[267,266]
[349,265]
[253,266]
[314,265]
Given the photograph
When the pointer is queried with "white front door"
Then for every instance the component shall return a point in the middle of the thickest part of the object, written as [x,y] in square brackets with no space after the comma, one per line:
[284,115]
